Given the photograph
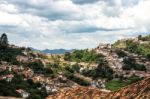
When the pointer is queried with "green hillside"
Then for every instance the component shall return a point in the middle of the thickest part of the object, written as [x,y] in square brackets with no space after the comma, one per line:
[141,46]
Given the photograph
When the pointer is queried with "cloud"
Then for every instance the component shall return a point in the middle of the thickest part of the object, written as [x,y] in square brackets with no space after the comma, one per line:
[72,23]
[51,9]
[85,1]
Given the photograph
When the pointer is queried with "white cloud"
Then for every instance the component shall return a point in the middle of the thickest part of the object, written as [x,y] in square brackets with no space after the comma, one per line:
[71,24]
[8,8]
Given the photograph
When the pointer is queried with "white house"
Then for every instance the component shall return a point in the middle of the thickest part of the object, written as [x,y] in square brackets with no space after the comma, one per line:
[23,93]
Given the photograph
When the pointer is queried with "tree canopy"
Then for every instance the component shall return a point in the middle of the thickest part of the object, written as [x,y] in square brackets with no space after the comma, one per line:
[3,41]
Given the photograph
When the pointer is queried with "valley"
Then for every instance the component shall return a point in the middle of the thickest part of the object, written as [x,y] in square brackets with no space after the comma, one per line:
[109,70]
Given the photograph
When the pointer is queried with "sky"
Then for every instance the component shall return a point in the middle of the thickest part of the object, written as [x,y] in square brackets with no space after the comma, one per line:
[72,24]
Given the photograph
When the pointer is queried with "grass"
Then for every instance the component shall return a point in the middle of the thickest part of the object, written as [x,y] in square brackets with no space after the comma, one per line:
[116,84]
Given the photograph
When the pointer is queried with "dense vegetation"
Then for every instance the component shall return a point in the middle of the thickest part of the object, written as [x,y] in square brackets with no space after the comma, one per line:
[141,47]
[10,54]
[39,68]
[78,80]
[116,84]
[69,73]
[102,71]
[83,56]
[9,89]
[130,63]
[7,53]
[144,38]
[120,53]
[3,41]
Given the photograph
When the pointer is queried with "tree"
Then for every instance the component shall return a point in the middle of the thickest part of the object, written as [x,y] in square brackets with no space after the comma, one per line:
[67,56]
[120,53]
[132,46]
[130,63]
[37,67]
[148,56]
[3,41]
[139,37]
[103,70]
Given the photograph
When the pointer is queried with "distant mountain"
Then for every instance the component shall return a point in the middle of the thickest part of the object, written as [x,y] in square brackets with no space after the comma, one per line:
[33,49]
[54,51]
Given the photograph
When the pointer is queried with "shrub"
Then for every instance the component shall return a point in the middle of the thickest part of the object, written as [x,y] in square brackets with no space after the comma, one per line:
[121,53]
[102,71]
[37,67]
[130,63]
[83,55]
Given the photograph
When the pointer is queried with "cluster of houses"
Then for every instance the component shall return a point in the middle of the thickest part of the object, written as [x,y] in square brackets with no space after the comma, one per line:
[104,46]
[27,73]
[60,82]
[27,59]
[6,67]
[116,63]
[53,85]
[140,60]
[10,68]
[7,77]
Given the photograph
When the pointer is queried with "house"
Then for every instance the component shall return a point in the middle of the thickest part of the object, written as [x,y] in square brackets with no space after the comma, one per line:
[61,78]
[13,46]
[93,66]
[104,46]
[4,63]
[45,62]
[1,78]
[144,42]
[21,67]
[83,64]
[62,59]
[73,63]
[25,52]
[3,67]
[9,77]
[21,58]
[82,69]
[9,68]
[38,78]
[23,93]
[48,80]
[15,68]
[51,89]
[93,84]
[28,73]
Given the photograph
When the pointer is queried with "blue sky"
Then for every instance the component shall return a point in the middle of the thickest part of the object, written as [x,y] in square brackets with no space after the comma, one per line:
[69,24]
